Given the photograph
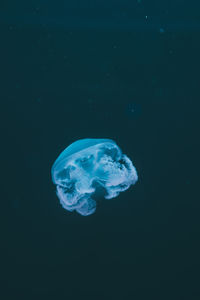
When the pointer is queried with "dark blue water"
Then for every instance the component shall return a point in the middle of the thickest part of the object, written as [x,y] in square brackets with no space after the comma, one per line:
[125,70]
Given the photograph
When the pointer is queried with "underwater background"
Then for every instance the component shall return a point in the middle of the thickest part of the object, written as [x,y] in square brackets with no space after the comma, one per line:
[124,70]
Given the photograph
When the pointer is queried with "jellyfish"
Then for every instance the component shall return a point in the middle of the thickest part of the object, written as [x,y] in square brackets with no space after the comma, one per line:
[89,169]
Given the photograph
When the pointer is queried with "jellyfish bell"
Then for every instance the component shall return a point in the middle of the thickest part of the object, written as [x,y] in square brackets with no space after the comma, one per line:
[77,150]
[88,167]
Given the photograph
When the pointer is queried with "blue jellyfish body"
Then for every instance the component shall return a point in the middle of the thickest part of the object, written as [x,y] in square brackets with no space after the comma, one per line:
[86,165]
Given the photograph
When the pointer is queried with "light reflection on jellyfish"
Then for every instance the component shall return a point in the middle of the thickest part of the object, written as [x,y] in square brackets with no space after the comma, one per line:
[87,167]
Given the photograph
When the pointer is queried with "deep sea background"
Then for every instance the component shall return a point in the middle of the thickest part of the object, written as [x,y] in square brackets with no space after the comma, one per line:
[125,70]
